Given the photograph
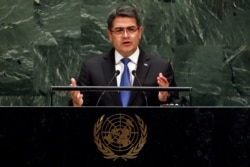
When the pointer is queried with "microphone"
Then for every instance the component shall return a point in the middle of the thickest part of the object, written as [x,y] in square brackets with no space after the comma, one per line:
[117,72]
[144,93]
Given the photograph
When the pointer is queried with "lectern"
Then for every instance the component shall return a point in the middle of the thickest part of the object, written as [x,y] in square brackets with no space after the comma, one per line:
[125,137]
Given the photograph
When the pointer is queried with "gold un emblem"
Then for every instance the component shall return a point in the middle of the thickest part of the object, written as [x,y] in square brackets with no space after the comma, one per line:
[120,136]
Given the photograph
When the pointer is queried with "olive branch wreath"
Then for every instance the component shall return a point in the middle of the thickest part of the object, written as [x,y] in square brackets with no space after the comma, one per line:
[109,154]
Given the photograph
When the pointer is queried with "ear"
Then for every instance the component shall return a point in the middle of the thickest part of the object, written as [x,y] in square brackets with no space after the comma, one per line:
[140,30]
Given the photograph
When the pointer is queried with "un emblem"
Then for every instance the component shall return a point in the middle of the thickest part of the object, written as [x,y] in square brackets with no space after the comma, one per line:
[120,136]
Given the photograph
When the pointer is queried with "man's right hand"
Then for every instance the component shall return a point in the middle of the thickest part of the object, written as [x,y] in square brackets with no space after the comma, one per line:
[76,96]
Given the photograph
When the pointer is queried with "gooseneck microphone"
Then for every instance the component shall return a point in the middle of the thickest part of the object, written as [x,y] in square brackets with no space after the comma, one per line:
[144,93]
[117,72]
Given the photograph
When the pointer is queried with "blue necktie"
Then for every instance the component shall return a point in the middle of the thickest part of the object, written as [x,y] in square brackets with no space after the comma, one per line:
[125,81]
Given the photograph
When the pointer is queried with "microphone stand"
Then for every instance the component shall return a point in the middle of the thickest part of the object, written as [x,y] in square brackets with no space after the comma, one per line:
[143,92]
[117,72]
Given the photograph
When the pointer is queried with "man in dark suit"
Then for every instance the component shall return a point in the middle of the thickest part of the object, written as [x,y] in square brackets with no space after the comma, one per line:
[124,32]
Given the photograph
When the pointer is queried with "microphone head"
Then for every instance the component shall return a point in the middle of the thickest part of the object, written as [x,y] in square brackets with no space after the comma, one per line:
[134,72]
[117,72]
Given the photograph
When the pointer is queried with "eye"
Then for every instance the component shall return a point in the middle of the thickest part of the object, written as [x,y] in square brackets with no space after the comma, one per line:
[118,30]
[121,30]
[131,29]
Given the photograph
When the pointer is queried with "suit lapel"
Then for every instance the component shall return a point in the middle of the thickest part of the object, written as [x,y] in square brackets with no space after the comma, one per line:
[142,70]
[143,67]
[108,66]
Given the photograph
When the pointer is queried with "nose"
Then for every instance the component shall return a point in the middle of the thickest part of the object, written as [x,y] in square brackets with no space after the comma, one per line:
[125,32]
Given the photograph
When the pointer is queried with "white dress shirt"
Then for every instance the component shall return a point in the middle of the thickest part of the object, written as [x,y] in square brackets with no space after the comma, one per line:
[132,65]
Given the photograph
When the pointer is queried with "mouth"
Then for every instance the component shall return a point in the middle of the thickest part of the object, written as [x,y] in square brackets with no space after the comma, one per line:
[126,43]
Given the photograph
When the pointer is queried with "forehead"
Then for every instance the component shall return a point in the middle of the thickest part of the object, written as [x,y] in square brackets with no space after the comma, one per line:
[124,22]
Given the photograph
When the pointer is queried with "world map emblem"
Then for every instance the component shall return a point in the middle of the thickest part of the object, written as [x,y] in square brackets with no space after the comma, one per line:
[120,136]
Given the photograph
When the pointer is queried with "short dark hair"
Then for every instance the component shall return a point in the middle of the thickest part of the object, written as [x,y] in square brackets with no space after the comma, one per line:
[123,11]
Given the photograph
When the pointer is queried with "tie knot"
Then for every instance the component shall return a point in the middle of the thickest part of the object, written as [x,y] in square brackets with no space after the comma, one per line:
[125,60]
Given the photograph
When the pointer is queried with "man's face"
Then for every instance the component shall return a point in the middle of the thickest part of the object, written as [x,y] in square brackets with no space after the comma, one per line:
[125,35]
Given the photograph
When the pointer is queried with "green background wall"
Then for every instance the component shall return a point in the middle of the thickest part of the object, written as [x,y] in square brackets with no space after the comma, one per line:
[43,43]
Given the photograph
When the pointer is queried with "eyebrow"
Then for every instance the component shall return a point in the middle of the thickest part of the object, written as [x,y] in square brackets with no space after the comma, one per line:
[125,27]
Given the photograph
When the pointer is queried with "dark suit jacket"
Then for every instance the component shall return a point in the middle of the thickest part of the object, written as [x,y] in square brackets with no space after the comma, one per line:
[99,71]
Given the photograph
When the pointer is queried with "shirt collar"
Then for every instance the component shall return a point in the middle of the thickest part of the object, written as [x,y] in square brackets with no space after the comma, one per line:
[134,57]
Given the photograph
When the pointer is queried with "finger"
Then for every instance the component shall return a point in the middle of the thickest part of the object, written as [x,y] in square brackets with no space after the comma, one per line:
[162,80]
[73,82]
[79,95]
[75,95]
